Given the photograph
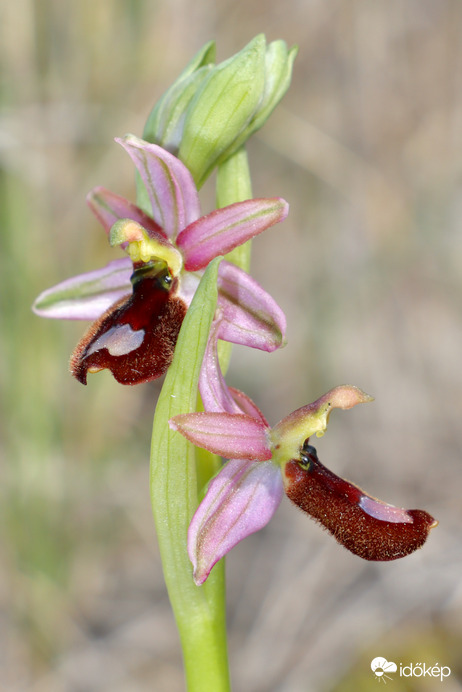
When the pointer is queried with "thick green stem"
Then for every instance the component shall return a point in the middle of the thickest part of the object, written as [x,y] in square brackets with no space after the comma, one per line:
[199,611]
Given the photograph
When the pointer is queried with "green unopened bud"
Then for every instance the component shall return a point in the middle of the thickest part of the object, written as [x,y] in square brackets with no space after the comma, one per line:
[166,120]
[211,110]
[165,123]
[222,109]
[278,73]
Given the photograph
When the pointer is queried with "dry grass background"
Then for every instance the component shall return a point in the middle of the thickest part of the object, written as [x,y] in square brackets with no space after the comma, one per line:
[367,149]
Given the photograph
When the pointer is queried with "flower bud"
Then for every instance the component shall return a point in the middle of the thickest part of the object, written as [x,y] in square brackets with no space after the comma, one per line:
[211,110]
[222,108]
[278,73]
[165,123]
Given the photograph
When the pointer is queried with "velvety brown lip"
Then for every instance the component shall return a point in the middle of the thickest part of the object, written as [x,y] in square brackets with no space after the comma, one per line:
[151,308]
[334,503]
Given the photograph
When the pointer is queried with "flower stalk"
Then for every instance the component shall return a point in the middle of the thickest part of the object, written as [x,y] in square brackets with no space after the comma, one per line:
[199,611]
[234,185]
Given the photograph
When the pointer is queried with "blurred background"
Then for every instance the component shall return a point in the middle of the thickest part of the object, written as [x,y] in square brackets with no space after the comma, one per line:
[366,147]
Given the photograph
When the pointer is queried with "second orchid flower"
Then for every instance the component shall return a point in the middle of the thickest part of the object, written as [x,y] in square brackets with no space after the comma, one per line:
[265,462]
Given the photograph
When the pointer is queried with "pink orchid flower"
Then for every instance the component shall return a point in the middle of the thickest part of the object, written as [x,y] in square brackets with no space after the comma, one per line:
[265,462]
[139,302]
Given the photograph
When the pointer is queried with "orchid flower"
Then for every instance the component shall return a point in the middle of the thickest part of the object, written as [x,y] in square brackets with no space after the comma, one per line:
[139,302]
[265,462]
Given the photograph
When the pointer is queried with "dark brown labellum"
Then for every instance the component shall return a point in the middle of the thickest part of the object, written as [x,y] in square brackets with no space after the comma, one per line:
[135,339]
[364,525]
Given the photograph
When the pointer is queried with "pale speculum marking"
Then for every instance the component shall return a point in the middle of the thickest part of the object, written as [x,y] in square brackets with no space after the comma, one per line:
[118,340]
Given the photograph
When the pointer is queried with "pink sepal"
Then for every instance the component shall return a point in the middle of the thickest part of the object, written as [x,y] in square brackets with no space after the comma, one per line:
[86,296]
[250,316]
[109,208]
[247,406]
[226,434]
[215,393]
[171,189]
[213,389]
[224,229]
[241,499]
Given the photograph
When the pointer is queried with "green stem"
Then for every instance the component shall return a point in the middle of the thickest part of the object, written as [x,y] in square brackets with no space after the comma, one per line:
[199,611]
[234,185]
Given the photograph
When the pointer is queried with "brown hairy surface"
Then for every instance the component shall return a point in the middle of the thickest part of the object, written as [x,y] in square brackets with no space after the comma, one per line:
[151,308]
[333,502]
